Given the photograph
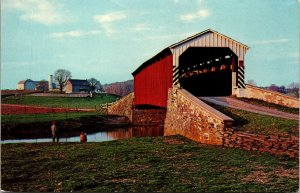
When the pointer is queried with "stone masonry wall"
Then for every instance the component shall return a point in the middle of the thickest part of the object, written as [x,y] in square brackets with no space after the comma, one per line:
[149,116]
[192,118]
[122,107]
[278,145]
[270,96]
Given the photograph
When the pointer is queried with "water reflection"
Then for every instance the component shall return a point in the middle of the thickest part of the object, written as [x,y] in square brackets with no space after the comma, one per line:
[92,136]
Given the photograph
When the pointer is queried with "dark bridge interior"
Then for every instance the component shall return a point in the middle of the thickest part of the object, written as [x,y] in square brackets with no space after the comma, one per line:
[207,71]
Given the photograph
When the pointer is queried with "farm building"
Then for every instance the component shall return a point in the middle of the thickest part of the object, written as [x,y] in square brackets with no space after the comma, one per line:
[206,64]
[42,85]
[76,86]
[33,85]
[26,85]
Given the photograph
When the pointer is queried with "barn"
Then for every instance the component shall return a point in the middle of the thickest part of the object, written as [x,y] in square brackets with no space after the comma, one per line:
[26,85]
[77,86]
[205,64]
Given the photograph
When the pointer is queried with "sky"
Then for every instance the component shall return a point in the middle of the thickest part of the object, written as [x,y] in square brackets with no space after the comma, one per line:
[109,39]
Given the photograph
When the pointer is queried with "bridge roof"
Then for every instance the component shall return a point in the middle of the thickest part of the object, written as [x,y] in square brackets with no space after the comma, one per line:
[202,34]
[168,50]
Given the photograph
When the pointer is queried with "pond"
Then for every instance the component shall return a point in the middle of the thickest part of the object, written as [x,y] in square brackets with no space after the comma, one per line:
[92,136]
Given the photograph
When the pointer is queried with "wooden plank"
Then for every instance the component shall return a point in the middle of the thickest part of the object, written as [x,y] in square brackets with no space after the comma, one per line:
[219,41]
[215,40]
[211,41]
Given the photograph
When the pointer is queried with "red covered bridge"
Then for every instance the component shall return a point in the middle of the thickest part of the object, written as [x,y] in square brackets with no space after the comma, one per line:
[206,64]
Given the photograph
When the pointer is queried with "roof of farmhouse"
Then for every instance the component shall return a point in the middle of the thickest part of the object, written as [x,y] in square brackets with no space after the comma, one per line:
[78,82]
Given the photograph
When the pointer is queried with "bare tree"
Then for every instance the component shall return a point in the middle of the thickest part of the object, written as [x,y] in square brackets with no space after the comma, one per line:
[95,84]
[61,76]
[294,88]
[251,82]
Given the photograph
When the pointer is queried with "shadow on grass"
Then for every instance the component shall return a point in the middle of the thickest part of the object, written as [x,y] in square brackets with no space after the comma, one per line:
[239,121]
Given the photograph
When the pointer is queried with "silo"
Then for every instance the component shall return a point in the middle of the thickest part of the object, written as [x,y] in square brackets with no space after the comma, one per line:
[50,82]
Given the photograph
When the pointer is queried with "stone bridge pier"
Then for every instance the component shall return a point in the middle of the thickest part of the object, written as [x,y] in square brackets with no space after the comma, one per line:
[192,118]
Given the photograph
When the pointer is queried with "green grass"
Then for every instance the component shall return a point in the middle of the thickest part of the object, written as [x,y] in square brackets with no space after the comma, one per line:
[166,164]
[271,105]
[61,101]
[34,118]
[259,124]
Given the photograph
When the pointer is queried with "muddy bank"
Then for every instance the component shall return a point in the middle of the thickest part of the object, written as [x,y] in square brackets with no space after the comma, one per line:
[70,127]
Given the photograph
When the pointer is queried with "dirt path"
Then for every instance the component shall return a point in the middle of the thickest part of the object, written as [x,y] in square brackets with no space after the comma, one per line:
[238,104]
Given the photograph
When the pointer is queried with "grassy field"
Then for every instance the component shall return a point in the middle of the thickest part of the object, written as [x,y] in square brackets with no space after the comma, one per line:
[33,118]
[270,105]
[167,164]
[259,124]
[60,101]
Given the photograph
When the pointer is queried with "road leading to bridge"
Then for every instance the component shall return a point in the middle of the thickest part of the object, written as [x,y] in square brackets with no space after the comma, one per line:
[238,104]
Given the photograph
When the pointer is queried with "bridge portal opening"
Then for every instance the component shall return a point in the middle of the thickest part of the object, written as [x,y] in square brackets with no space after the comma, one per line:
[207,71]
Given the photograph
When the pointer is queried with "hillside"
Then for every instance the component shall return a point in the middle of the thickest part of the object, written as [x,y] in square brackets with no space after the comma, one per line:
[119,88]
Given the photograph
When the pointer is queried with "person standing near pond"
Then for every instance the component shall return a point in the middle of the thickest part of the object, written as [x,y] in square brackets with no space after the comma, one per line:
[83,137]
[54,132]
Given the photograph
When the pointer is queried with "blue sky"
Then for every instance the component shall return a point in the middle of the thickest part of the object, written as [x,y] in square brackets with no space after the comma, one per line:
[109,39]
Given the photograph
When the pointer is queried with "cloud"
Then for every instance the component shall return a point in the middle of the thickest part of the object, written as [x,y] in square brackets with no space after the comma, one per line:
[200,14]
[273,41]
[175,1]
[110,17]
[74,33]
[106,20]
[41,11]
[141,27]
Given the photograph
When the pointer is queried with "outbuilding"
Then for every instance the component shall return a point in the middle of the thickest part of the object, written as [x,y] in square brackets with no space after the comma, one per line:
[77,86]
[205,64]
[26,85]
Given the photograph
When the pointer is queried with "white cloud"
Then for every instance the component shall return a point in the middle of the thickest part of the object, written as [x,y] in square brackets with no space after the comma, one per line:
[42,11]
[141,27]
[106,20]
[200,14]
[273,41]
[176,1]
[74,33]
[110,17]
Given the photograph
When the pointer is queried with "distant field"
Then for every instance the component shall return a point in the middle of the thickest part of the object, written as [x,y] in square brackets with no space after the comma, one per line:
[61,101]
[33,118]
[259,124]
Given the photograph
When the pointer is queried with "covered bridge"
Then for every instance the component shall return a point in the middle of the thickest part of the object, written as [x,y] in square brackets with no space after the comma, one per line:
[205,64]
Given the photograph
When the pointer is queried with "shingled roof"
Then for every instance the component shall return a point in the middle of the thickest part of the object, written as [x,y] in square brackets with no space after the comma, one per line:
[78,82]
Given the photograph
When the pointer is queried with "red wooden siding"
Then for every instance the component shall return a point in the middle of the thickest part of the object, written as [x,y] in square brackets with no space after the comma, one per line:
[152,83]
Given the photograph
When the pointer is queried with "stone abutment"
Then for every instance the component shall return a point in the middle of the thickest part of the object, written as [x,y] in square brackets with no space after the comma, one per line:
[188,116]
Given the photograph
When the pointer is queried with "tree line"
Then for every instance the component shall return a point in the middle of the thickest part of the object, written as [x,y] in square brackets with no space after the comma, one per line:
[291,89]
